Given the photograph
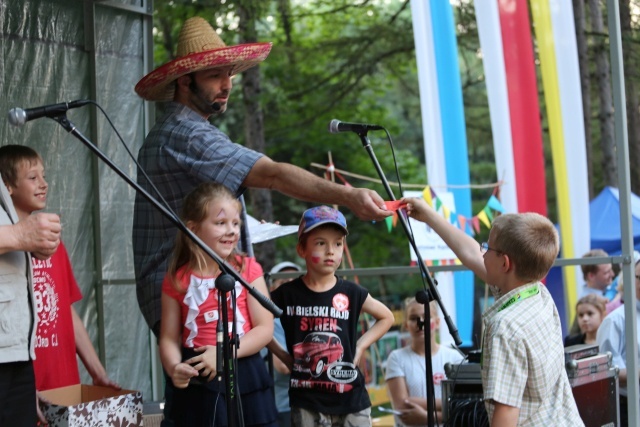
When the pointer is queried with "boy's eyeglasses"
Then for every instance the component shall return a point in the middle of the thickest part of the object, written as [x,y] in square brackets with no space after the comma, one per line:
[484,248]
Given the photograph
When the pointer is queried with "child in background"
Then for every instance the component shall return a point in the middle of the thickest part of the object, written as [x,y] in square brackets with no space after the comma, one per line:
[60,332]
[590,311]
[281,372]
[406,370]
[320,319]
[190,315]
[524,380]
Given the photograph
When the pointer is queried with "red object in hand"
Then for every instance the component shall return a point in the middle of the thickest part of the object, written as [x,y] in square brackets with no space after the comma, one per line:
[394,205]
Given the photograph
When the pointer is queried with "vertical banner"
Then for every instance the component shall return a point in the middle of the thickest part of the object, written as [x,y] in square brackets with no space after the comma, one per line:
[524,109]
[497,93]
[444,125]
[555,34]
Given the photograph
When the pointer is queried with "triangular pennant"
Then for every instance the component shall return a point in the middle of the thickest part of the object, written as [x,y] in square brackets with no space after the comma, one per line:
[487,210]
[426,194]
[463,223]
[476,224]
[389,221]
[482,216]
[445,211]
[433,193]
[438,204]
[495,204]
[394,220]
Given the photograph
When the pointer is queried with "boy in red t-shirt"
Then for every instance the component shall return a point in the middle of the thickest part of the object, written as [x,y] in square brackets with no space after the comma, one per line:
[60,331]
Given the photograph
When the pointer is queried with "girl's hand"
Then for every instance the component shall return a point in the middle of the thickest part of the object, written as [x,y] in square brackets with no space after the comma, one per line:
[413,414]
[182,373]
[205,362]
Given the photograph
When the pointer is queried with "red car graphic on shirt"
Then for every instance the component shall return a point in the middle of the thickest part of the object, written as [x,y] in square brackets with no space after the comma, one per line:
[316,352]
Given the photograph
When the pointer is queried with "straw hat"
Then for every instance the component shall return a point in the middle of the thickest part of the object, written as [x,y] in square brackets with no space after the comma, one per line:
[199,48]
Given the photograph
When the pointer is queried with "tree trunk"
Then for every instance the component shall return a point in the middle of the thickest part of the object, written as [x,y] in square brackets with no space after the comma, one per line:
[603,78]
[260,199]
[585,85]
[633,108]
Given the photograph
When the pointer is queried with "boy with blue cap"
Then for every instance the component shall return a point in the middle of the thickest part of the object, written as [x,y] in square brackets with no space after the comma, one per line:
[320,320]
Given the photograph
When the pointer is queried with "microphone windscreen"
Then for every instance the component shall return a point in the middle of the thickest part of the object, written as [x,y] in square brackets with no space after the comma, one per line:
[333,126]
[17,116]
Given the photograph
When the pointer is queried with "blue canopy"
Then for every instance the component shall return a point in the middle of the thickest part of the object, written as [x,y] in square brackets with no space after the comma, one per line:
[605,221]
[605,235]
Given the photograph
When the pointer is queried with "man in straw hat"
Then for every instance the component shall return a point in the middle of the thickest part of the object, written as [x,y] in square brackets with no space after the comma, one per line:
[184,149]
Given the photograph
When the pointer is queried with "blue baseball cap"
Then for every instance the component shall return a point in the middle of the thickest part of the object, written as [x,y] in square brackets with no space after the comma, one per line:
[320,215]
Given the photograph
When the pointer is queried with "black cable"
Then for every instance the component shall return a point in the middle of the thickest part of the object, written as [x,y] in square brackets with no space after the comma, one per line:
[395,161]
[235,347]
[430,396]
[140,169]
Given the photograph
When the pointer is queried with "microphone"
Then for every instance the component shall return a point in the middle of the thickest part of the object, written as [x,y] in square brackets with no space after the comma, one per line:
[336,126]
[216,107]
[18,116]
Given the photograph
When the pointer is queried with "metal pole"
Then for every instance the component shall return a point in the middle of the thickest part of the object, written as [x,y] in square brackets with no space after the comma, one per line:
[628,270]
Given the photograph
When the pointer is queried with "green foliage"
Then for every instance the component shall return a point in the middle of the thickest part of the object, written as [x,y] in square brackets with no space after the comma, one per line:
[354,61]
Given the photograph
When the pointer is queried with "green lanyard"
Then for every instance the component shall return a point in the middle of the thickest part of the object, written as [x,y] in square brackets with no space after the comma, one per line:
[520,296]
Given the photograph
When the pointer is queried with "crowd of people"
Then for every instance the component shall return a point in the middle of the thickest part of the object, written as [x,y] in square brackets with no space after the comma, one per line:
[316,350]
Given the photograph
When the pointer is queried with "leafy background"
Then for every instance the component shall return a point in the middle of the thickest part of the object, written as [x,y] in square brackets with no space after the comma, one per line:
[355,61]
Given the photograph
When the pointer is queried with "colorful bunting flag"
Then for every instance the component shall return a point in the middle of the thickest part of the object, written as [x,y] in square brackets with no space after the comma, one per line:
[426,194]
[476,224]
[482,216]
[495,204]
[463,222]
[389,221]
[446,212]
[487,211]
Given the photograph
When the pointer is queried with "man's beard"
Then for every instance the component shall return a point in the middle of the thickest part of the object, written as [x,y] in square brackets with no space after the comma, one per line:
[201,101]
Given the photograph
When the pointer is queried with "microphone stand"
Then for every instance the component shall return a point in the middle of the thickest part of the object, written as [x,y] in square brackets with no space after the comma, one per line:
[225,284]
[423,297]
[432,292]
[224,267]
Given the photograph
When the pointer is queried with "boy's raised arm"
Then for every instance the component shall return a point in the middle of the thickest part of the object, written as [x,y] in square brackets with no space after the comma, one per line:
[463,245]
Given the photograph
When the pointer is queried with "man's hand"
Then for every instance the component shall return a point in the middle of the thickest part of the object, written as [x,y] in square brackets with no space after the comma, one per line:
[368,205]
[39,234]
